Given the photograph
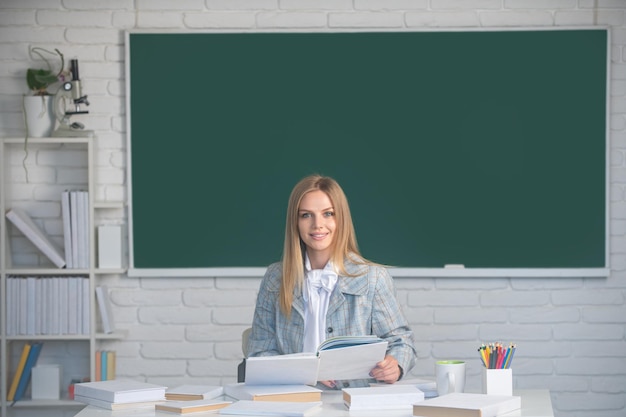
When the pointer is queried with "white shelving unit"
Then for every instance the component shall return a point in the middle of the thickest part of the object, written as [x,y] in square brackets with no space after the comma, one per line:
[54,164]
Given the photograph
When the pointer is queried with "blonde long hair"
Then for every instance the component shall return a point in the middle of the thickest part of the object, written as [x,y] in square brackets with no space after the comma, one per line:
[344,241]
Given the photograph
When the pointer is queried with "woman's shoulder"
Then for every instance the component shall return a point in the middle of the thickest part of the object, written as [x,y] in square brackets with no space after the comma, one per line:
[359,266]
[272,277]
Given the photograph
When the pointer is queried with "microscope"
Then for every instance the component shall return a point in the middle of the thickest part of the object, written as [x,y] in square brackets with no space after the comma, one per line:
[70,92]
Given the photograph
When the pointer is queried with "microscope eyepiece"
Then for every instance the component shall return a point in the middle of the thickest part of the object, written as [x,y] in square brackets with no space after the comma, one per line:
[74,69]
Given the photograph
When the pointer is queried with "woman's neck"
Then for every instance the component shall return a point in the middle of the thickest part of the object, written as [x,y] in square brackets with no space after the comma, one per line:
[318,260]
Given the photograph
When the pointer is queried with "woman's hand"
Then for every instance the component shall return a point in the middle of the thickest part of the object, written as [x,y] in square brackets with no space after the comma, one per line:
[386,370]
[329,384]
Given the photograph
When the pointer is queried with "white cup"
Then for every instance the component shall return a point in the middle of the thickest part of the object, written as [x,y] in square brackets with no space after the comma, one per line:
[450,376]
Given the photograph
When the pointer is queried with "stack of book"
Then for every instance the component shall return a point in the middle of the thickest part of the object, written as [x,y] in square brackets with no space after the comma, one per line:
[119,394]
[47,305]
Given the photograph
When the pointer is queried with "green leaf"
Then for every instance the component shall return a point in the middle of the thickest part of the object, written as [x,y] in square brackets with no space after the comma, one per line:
[39,80]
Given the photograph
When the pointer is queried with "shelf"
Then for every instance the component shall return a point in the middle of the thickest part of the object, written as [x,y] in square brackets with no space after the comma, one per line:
[46,271]
[66,337]
[118,334]
[60,154]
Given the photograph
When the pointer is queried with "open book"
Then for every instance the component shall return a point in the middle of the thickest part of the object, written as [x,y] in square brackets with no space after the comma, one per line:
[337,358]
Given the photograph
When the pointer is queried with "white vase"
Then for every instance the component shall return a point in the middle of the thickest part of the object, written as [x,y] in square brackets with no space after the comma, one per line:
[39,115]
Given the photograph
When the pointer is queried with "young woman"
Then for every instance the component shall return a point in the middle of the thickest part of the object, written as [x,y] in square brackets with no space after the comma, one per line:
[324,288]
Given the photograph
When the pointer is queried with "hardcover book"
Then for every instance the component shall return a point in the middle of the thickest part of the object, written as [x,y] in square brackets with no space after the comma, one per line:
[343,357]
[29,228]
[391,397]
[33,355]
[18,372]
[194,392]
[184,407]
[120,391]
[105,309]
[292,393]
[460,404]
[115,406]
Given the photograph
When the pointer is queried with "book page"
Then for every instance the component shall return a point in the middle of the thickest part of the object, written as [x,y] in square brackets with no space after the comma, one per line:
[282,369]
[352,362]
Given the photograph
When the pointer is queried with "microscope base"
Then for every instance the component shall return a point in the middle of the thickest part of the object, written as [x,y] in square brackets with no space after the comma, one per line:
[67,132]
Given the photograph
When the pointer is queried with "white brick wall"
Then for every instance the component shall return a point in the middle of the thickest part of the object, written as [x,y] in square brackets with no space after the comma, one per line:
[571,333]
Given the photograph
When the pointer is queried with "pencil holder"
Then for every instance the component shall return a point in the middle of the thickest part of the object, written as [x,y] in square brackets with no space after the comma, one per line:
[498,381]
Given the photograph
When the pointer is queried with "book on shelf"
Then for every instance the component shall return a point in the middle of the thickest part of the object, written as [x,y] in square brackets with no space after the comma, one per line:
[74,227]
[48,305]
[189,392]
[29,228]
[33,355]
[18,372]
[116,406]
[103,366]
[111,361]
[31,300]
[390,397]
[120,391]
[105,309]
[12,300]
[67,228]
[64,305]
[83,229]
[337,358]
[86,304]
[98,365]
[75,215]
[76,300]
[271,408]
[459,404]
[193,406]
[290,393]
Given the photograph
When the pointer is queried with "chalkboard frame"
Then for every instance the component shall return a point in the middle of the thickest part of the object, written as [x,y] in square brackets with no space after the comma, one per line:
[447,270]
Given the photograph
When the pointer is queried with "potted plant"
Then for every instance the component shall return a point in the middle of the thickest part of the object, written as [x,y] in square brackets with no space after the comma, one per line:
[38,106]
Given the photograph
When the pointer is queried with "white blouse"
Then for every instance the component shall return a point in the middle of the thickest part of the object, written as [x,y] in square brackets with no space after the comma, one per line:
[318,286]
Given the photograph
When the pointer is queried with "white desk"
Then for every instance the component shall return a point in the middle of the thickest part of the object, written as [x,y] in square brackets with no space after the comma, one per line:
[535,403]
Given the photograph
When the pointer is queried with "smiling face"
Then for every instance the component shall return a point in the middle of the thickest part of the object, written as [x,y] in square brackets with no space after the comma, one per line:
[316,225]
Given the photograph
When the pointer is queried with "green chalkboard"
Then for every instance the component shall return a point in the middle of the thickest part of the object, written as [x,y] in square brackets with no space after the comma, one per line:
[482,148]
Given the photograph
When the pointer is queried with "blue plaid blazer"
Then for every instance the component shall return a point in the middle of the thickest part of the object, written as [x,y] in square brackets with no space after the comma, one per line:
[360,305]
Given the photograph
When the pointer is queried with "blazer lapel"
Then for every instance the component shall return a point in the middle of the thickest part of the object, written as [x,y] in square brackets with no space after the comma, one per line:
[351,285]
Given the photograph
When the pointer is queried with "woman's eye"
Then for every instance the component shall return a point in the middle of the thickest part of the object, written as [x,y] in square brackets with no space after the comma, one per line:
[305,215]
[329,214]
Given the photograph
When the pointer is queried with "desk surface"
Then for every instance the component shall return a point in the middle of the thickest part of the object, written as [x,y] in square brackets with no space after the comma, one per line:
[535,403]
